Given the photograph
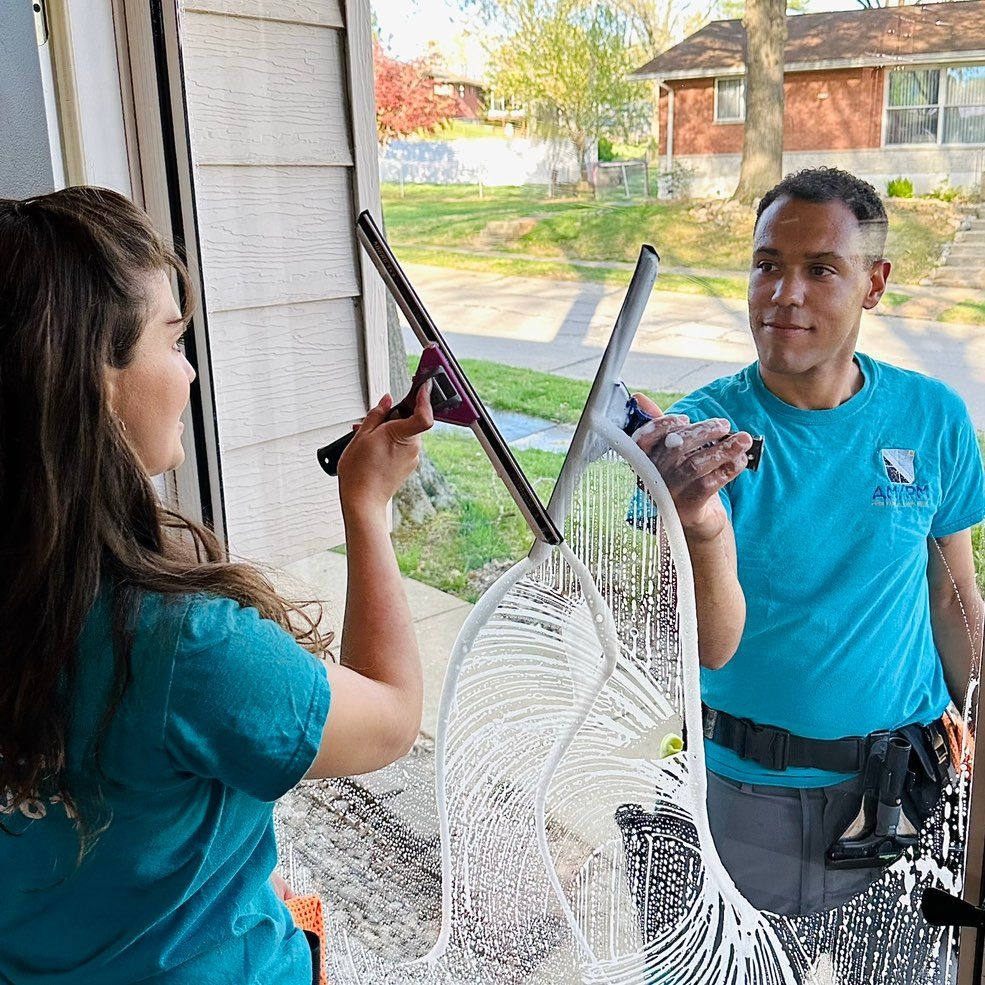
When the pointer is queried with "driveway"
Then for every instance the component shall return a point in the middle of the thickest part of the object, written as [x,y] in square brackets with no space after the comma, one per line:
[684,341]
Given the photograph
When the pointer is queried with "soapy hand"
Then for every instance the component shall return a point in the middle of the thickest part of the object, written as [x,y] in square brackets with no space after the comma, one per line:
[693,473]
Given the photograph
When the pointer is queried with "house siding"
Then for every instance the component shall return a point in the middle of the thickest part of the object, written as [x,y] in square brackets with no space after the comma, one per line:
[294,342]
[849,117]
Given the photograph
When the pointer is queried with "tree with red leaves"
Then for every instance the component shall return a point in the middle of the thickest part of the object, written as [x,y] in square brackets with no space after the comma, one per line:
[405,98]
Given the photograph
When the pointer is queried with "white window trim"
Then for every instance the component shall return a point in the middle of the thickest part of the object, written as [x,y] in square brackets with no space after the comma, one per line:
[941,105]
[729,120]
[83,53]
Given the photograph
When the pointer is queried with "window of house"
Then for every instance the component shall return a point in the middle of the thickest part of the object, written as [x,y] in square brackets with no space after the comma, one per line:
[730,100]
[936,106]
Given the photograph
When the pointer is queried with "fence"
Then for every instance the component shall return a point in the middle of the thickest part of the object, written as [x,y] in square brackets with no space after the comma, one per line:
[481,161]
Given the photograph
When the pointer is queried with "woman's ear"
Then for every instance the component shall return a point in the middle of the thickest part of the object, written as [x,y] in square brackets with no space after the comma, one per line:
[111,381]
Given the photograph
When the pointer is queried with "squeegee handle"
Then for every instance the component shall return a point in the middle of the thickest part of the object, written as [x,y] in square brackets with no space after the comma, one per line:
[328,457]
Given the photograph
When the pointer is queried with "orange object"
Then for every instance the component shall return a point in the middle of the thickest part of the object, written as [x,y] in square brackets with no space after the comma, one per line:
[961,743]
[308,915]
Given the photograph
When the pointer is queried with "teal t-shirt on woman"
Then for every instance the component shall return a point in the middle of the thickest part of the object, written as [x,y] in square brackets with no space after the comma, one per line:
[223,715]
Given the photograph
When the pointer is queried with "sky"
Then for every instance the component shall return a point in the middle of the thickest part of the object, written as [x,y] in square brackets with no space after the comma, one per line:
[408,26]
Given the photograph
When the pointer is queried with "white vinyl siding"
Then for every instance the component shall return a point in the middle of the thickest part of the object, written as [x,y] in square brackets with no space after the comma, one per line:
[296,344]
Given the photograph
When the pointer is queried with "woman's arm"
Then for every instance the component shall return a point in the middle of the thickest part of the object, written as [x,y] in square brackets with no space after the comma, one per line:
[377,689]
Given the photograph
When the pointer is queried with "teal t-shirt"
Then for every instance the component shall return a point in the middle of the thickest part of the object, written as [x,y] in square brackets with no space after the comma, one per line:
[224,714]
[831,535]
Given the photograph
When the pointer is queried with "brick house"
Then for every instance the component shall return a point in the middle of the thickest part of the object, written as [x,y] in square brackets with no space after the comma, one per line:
[883,92]
[470,95]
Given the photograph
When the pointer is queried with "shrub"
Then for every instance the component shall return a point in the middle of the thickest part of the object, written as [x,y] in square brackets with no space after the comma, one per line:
[900,188]
[945,193]
[605,150]
[678,180]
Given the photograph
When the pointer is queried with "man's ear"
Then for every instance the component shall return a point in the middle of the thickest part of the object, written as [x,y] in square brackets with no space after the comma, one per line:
[878,278]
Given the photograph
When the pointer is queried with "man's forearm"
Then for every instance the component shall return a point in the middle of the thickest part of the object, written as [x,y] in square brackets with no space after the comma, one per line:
[957,626]
[721,606]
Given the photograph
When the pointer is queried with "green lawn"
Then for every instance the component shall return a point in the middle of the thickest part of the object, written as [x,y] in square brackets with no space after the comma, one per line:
[485,528]
[523,221]
[528,391]
[968,312]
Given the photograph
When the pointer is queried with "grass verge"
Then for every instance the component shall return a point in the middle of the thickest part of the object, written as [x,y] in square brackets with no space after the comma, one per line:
[485,528]
[966,312]
[527,391]
[724,286]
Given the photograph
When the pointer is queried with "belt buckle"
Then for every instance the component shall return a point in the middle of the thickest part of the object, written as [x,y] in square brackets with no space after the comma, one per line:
[767,745]
[938,743]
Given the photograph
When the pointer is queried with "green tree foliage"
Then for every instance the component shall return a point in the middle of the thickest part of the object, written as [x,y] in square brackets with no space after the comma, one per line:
[568,62]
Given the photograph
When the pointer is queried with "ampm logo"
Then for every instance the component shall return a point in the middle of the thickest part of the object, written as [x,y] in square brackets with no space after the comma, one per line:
[898,463]
[900,495]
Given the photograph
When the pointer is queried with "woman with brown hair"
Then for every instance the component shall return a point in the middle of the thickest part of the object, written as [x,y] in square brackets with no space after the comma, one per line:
[156,697]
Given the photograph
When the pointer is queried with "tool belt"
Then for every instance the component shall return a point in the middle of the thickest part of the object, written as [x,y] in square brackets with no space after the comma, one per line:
[777,749]
[903,773]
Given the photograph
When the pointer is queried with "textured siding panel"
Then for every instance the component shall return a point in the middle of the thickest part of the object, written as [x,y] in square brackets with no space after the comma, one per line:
[282,130]
[324,12]
[276,235]
[265,93]
[280,505]
[285,370]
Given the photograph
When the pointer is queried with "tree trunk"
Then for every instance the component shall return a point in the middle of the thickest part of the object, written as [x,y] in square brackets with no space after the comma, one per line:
[426,491]
[762,140]
[580,142]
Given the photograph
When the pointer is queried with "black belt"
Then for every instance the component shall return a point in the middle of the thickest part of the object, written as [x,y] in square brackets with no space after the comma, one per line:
[777,749]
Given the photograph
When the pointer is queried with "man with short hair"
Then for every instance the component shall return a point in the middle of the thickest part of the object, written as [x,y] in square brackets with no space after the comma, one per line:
[835,586]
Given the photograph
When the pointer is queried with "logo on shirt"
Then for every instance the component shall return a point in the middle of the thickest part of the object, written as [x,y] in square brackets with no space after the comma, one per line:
[902,488]
[898,463]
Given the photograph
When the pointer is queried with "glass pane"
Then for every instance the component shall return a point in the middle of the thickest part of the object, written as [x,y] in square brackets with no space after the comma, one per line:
[964,125]
[731,99]
[912,126]
[965,86]
[917,87]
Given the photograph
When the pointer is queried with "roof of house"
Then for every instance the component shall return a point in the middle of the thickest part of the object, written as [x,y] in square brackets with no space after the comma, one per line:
[886,35]
[465,81]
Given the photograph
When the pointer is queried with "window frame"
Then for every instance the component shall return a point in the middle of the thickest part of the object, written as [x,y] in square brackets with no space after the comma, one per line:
[729,121]
[941,105]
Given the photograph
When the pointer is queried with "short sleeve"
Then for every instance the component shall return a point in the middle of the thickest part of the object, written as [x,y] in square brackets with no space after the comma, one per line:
[247,704]
[962,502]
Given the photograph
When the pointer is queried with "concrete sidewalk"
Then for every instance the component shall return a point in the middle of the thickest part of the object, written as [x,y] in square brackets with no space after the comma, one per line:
[684,341]
[437,619]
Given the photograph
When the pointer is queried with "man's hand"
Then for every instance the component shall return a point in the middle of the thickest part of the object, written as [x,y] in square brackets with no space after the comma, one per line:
[694,474]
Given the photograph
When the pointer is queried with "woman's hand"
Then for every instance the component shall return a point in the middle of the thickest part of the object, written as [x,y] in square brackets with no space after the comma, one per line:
[382,454]
[281,886]
[693,474]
